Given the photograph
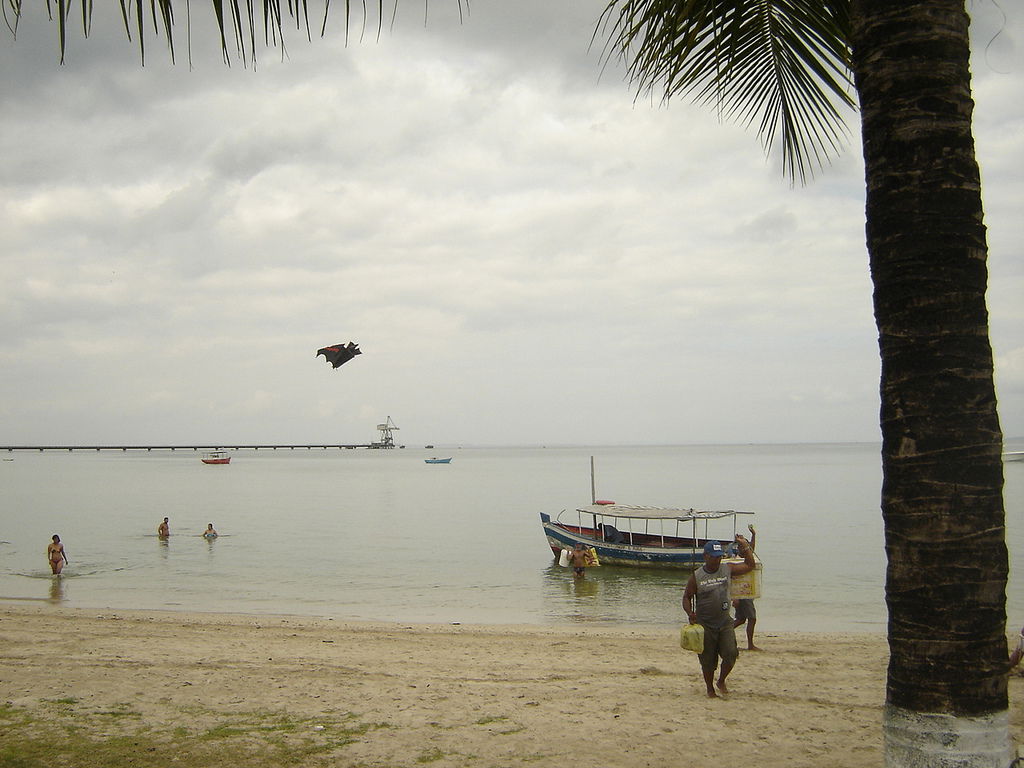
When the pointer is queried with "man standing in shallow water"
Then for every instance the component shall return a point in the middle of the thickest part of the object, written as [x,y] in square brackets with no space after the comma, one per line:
[164,529]
[706,601]
[580,558]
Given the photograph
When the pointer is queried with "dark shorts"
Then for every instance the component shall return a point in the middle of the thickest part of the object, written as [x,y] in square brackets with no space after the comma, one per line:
[745,610]
[719,642]
[579,571]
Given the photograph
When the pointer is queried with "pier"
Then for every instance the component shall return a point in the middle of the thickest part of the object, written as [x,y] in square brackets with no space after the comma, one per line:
[197,447]
[386,442]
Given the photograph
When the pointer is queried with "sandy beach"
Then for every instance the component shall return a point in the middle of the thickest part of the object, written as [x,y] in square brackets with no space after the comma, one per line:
[298,691]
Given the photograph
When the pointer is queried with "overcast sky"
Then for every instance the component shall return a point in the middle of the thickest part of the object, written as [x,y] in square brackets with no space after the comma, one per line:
[525,252]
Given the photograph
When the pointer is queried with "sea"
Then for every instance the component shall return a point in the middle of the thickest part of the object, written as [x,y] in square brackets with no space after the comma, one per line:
[379,535]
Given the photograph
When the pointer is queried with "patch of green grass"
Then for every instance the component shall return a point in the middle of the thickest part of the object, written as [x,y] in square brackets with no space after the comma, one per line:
[432,756]
[10,712]
[83,739]
[10,757]
[120,710]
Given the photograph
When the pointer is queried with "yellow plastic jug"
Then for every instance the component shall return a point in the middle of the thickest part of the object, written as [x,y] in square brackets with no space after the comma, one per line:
[691,637]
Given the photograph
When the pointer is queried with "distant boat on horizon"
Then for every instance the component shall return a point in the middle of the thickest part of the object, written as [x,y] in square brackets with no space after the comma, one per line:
[216,457]
[435,460]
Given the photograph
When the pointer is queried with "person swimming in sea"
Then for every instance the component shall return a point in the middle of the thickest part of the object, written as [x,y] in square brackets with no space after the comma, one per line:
[209,533]
[55,554]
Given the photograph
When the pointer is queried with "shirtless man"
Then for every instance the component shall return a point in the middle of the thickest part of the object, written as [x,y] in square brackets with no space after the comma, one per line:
[746,613]
[163,530]
[706,602]
[209,532]
[579,558]
[55,554]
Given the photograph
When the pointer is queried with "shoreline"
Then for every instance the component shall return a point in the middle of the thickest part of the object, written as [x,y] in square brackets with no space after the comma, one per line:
[398,694]
[42,605]
[859,629]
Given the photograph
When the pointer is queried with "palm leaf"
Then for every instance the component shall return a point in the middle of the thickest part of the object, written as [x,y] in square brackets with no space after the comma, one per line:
[784,64]
[240,16]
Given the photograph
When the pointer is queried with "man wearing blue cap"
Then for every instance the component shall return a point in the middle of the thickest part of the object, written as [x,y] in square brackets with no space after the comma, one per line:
[707,601]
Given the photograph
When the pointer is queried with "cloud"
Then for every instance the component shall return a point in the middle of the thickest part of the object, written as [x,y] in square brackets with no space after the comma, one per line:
[525,251]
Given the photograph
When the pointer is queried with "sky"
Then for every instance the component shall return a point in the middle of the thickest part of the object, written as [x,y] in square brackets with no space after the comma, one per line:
[526,250]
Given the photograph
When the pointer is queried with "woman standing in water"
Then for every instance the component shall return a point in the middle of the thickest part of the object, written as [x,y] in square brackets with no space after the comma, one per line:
[55,554]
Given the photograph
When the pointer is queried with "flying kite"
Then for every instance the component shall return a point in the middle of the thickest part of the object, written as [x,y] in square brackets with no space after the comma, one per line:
[339,354]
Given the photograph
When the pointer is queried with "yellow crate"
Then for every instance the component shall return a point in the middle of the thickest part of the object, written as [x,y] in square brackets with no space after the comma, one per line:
[749,584]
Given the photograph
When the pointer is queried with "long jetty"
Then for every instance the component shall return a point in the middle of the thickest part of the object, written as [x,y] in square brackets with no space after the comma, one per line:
[211,447]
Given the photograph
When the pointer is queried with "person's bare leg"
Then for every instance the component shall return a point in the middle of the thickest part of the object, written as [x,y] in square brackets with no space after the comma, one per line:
[724,673]
[750,635]
[709,681]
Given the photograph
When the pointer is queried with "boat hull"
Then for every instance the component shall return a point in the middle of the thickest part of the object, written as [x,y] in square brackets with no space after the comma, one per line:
[216,461]
[561,537]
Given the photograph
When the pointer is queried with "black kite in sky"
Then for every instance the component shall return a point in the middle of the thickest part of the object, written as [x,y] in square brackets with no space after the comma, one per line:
[339,354]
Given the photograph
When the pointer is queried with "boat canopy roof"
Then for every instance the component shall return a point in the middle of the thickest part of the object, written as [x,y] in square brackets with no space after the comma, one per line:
[657,513]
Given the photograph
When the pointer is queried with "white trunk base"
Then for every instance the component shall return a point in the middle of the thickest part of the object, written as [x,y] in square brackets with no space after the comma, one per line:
[916,740]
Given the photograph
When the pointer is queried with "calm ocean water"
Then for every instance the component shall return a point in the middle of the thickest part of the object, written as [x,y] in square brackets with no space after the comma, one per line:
[379,535]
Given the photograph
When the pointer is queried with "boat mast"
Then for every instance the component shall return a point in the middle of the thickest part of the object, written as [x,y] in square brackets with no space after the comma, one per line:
[593,492]
[593,495]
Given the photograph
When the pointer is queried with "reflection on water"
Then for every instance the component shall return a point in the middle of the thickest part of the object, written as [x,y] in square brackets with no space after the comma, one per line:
[57,589]
[584,587]
[614,594]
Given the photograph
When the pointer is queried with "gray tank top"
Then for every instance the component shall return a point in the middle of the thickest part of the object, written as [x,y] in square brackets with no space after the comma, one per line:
[713,598]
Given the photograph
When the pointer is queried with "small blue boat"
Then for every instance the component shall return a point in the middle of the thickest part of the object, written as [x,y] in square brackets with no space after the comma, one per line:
[435,460]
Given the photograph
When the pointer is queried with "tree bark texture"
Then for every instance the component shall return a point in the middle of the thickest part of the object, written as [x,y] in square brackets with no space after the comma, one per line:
[941,441]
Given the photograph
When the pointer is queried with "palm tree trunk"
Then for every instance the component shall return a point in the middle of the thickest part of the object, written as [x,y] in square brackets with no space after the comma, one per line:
[946,699]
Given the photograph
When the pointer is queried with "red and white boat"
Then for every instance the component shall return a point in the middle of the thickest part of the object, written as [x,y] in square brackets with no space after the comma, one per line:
[216,457]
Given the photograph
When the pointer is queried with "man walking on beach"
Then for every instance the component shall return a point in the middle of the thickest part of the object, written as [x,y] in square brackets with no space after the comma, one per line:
[706,602]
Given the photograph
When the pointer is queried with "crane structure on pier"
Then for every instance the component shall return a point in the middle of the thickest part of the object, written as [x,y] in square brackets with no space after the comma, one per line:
[387,440]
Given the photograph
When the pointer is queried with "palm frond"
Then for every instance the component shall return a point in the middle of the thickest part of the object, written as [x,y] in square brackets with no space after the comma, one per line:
[237,22]
[784,64]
